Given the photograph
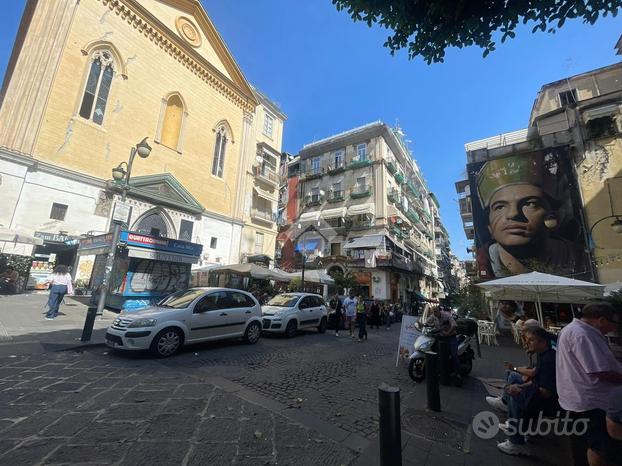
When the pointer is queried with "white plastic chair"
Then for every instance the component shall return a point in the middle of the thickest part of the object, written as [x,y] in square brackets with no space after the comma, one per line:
[488,332]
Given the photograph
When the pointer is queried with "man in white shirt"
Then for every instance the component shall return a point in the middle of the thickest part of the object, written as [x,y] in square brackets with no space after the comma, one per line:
[349,305]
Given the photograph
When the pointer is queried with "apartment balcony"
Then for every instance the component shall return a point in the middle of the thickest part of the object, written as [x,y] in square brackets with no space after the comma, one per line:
[336,168]
[361,226]
[266,175]
[360,192]
[394,197]
[313,200]
[391,167]
[413,216]
[262,215]
[410,186]
[399,177]
[312,174]
[336,196]
[360,163]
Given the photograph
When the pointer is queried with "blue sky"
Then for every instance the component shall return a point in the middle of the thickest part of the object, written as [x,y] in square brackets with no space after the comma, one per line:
[330,74]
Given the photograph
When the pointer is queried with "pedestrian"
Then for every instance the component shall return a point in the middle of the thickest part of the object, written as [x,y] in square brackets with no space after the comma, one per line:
[587,375]
[349,304]
[374,311]
[361,318]
[8,280]
[60,285]
[338,306]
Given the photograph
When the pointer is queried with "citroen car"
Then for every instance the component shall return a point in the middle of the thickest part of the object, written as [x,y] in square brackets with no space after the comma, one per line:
[288,312]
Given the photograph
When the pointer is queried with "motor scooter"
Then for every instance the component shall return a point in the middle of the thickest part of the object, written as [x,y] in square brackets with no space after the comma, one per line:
[427,341]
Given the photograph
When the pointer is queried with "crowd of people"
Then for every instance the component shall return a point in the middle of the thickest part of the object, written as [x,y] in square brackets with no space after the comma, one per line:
[575,376]
[356,312]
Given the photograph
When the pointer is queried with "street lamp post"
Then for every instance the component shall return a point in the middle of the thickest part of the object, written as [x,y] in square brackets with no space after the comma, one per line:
[119,174]
[616,225]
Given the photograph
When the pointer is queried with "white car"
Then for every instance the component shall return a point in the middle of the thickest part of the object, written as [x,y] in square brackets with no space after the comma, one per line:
[288,312]
[190,316]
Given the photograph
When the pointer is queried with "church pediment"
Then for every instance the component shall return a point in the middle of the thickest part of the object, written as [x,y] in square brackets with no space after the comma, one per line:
[165,190]
[188,20]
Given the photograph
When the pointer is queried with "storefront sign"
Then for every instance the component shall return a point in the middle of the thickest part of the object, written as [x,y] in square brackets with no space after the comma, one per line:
[53,237]
[408,335]
[94,245]
[162,256]
[161,244]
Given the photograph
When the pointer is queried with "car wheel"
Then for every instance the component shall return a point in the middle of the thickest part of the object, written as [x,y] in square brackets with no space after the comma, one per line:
[167,342]
[252,334]
[322,327]
[290,330]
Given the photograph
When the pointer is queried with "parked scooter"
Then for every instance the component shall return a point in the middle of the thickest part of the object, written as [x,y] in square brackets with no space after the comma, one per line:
[426,342]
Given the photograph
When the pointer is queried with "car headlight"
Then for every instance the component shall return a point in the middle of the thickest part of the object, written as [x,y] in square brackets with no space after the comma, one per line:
[143,323]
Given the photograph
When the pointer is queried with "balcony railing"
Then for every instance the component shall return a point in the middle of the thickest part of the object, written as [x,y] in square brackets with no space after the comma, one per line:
[336,168]
[412,188]
[358,163]
[266,174]
[313,200]
[399,177]
[262,215]
[312,173]
[336,196]
[394,197]
[391,167]
[360,192]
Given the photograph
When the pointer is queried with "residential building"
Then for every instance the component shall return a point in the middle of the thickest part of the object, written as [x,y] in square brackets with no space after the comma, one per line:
[262,183]
[571,154]
[366,208]
[89,79]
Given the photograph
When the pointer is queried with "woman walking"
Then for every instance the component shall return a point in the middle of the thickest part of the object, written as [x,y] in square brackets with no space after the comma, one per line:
[60,285]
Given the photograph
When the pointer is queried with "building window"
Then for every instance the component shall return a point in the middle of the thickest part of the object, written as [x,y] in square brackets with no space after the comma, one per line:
[213,242]
[220,148]
[568,97]
[315,165]
[170,132]
[338,158]
[337,192]
[185,230]
[315,194]
[258,243]
[361,152]
[97,87]
[361,184]
[268,125]
[58,211]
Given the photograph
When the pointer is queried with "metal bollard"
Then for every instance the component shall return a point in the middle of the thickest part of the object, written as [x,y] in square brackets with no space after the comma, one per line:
[89,322]
[431,381]
[479,350]
[443,360]
[390,425]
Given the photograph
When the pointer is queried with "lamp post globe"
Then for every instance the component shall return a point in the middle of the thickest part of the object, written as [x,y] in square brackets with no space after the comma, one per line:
[143,149]
[616,226]
[118,173]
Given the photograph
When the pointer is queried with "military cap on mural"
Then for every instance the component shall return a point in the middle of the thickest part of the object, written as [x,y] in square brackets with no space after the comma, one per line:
[533,168]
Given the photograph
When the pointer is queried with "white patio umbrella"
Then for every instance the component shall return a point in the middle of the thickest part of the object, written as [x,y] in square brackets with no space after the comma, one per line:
[542,287]
[315,276]
[14,236]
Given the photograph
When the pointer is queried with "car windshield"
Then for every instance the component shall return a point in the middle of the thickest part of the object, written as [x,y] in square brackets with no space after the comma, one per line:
[284,300]
[181,299]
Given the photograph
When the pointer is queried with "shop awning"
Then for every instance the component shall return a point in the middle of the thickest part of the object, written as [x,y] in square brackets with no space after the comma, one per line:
[150,254]
[309,217]
[268,196]
[361,209]
[371,241]
[333,213]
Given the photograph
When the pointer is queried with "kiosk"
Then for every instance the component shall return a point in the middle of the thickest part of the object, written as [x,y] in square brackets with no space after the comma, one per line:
[145,268]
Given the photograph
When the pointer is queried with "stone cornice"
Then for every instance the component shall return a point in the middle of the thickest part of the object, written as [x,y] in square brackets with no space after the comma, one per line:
[152,28]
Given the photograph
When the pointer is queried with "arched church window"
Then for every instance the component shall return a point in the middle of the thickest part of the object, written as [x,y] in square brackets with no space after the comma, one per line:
[152,224]
[97,87]
[218,164]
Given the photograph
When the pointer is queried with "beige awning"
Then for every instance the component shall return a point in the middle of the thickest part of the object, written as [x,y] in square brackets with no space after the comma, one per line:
[267,195]
[309,217]
[333,213]
[361,209]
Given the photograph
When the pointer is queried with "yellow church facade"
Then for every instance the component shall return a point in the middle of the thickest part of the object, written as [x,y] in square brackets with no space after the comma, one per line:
[89,79]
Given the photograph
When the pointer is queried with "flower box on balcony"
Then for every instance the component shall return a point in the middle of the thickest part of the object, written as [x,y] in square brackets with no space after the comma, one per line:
[399,177]
[360,163]
[358,194]
[391,167]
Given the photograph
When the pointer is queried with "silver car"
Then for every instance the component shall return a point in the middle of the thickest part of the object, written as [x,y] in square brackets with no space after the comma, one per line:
[190,316]
[288,312]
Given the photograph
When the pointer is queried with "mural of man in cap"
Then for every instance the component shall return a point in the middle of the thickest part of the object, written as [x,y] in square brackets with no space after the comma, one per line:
[521,195]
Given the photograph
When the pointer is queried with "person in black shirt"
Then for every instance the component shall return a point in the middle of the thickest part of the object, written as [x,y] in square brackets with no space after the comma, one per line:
[528,399]
[374,311]
[337,305]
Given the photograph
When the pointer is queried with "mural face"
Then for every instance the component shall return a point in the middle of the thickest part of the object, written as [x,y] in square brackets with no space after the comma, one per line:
[526,217]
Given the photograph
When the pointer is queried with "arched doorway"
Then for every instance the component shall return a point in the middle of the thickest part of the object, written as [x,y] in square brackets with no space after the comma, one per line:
[154,223]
